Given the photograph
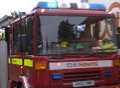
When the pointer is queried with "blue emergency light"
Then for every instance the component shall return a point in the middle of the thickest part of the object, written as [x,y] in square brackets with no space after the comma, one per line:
[47,5]
[107,73]
[56,76]
[97,6]
[55,4]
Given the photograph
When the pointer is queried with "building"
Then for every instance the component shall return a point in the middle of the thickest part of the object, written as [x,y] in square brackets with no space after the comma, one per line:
[5,20]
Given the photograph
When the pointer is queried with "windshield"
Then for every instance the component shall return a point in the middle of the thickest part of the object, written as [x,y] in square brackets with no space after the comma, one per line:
[75,34]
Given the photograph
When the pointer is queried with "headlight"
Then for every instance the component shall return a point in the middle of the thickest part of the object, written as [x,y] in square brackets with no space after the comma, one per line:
[56,66]
[40,66]
[116,62]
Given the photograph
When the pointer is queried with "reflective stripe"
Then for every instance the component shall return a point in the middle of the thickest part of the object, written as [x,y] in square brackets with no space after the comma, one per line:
[17,61]
[28,62]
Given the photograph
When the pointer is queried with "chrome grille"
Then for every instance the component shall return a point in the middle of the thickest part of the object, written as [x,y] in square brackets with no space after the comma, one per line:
[70,77]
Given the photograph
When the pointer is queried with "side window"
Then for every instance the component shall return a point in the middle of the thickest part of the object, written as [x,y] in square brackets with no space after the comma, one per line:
[29,26]
[22,36]
[16,40]
[38,34]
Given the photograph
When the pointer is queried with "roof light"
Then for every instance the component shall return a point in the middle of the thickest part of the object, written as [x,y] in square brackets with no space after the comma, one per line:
[47,5]
[85,5]
[66,3]
[96,6]
[63,5]
[70,4]
[42,10]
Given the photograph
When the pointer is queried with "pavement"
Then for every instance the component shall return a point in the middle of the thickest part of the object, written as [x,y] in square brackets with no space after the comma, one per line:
[3,64]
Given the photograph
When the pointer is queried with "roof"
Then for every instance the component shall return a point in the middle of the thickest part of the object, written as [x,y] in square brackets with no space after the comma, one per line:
[5,21]
[68,12]
[73,12]
[4,18]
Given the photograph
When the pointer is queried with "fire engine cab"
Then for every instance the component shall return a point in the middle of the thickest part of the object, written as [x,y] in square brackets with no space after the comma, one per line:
[64,45]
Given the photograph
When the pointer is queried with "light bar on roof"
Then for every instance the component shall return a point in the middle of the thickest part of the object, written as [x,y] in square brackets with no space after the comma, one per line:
[65,3]
[84,5]
[70,4]
[44,4]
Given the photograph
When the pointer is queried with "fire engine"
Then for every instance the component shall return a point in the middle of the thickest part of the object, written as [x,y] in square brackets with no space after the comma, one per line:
[64,45]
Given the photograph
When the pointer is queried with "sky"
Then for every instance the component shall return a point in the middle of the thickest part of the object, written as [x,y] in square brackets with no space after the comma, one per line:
[8,6]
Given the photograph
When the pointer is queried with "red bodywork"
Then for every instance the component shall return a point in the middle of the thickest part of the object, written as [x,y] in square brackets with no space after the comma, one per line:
[42,78]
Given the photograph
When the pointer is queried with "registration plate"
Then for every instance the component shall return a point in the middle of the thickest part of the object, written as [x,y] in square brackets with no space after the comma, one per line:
[84,83]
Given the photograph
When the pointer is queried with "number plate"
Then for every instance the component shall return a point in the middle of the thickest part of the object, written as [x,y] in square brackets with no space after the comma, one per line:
[84,83]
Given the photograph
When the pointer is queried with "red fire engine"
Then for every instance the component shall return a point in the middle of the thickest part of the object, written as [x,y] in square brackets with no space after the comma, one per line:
[64,47]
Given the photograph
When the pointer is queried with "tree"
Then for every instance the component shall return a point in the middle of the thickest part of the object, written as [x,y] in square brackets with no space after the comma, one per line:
[16,14]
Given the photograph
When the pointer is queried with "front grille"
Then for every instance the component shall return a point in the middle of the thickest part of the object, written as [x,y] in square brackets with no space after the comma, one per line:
[70,77]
